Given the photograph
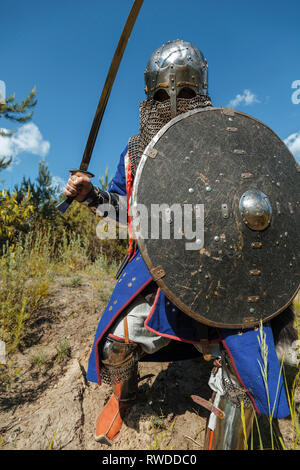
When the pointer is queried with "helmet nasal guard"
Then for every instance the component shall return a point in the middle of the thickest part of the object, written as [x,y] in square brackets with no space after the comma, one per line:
[177,69]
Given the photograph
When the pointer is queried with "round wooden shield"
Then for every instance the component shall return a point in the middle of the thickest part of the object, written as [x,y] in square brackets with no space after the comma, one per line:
[216,213]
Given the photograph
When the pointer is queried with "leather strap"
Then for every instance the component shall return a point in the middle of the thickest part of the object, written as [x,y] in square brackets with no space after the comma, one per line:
[209,406]
[126,330]
[203,333]
[205,349]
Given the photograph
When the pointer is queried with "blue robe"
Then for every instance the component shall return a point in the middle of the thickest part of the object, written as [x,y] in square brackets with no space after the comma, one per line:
[167,320]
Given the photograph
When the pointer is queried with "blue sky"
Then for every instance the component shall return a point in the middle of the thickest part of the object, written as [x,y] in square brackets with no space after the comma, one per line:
[65,48]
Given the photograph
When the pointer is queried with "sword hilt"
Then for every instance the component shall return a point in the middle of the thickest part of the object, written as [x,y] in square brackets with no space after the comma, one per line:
[64,205]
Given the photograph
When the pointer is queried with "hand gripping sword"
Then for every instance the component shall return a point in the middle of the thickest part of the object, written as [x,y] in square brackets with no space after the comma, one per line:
[63,206]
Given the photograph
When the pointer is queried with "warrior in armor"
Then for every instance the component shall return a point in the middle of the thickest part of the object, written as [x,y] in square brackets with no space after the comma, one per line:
[134,325]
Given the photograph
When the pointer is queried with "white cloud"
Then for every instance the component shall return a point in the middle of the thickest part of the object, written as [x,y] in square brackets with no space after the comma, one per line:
[293,143]
[247,98]
[27,139]
[58,183]
[2,92]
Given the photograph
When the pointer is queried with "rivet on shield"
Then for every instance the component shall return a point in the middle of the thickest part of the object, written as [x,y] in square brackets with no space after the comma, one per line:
[225,211]
[168,216]
[253,298]
[278,208]
[255,272]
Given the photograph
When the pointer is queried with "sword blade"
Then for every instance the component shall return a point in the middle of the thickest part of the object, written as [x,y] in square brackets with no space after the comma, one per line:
[114,67]
[109,83]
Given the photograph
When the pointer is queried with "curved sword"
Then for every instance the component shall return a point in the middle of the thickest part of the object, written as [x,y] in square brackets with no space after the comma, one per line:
[63,206]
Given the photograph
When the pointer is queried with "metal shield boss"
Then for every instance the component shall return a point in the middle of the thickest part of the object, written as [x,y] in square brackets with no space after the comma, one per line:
[216,214]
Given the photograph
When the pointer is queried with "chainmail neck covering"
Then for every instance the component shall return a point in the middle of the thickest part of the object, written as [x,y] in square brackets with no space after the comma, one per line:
[153,116]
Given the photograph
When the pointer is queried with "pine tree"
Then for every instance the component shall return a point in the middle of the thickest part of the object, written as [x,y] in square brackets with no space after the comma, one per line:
[16,112]
[43,194]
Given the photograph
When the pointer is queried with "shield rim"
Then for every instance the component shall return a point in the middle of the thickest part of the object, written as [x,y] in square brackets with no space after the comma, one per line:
[141,242]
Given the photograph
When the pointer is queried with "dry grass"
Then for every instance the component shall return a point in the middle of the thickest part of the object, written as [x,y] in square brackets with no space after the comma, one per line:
[27,272]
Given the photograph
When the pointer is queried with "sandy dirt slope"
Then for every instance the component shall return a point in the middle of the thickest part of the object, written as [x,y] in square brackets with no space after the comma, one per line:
[51,405]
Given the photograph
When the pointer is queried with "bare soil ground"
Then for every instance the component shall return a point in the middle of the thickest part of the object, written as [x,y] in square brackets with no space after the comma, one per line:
[51,405]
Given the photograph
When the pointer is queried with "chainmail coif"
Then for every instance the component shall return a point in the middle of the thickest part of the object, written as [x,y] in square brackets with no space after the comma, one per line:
[154,115]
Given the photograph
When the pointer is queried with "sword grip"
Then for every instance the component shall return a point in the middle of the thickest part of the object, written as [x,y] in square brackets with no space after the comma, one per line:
[63,206]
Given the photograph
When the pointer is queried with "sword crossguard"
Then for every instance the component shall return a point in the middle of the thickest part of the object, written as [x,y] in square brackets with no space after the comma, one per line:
[84,172]
[64,205]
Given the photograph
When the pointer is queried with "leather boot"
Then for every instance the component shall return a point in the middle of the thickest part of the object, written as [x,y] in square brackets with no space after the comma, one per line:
[124,395]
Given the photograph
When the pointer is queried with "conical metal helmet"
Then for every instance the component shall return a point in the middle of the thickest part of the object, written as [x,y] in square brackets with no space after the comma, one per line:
[177,69]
